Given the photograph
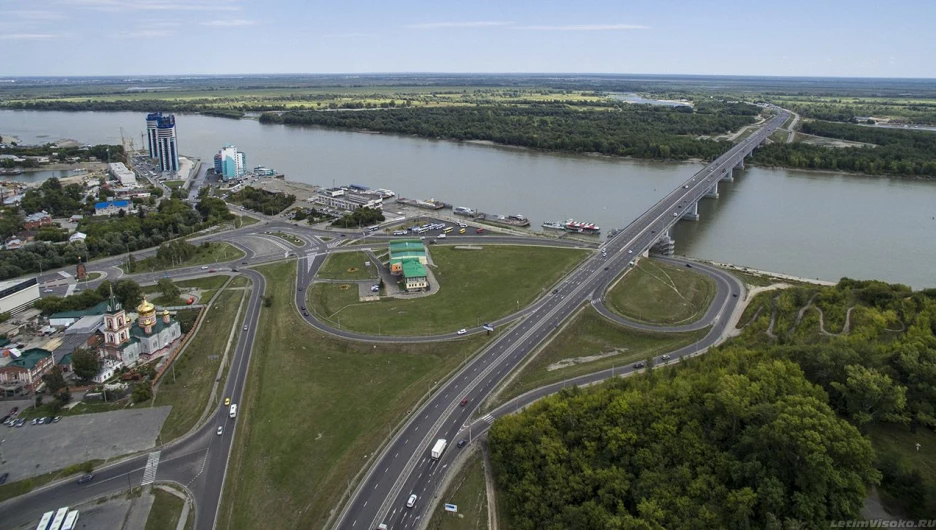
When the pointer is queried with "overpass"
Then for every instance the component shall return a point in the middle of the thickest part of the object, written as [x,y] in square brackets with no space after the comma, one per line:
[404,467]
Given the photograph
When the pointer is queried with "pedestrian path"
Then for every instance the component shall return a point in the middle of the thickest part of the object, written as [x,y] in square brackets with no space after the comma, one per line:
[489,419]
[149,475]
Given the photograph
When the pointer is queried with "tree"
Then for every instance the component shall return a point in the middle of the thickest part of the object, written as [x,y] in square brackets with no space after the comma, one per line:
[131,262]
[871,396]
[168,288]
[54,380]
[141,392]
[85,363]
[128,292]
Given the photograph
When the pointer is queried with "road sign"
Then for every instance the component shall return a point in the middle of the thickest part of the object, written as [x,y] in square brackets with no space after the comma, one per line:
[451,508]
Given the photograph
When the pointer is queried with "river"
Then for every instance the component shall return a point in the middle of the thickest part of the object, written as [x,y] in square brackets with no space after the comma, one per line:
[815,225]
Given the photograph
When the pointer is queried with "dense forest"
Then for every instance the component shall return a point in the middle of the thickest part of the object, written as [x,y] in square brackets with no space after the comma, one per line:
[110,236]
[266,202]
[895,151]
[640,131]
[773,430]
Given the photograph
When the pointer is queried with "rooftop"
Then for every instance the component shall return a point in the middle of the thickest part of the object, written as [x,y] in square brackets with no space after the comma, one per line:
[413,269]
[99,309]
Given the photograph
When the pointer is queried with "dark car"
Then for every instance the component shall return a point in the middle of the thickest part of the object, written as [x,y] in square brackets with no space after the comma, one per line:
[464,402]
[606,268]
[688,265]
[302,307]
[4,477]
[555,291]
[234,269]
[734,295]
[638,365]
[85,478]
[462,442]
[300,288]
[243,263]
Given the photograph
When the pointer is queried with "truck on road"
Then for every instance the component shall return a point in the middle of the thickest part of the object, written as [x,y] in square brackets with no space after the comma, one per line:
[438,448]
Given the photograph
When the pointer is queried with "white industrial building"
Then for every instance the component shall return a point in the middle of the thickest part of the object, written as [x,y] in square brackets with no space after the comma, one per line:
[18,295]
[120,172]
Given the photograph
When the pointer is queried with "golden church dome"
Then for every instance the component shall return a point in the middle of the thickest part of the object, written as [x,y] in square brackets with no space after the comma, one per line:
[145,307]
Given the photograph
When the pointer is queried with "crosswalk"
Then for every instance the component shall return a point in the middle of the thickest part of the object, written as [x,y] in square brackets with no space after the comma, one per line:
[489,419]
[149,474]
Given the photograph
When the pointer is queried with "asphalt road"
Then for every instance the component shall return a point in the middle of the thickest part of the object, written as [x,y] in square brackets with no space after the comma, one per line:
[405,468]
[199,460]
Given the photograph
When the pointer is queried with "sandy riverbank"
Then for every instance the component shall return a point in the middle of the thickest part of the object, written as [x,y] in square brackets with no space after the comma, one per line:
[769,274]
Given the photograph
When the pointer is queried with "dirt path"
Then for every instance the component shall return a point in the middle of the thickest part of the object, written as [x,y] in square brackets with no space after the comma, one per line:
[792,128]
[845,329]
[799,315]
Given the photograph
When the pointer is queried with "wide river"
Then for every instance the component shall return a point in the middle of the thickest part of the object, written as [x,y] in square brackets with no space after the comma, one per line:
[814,225]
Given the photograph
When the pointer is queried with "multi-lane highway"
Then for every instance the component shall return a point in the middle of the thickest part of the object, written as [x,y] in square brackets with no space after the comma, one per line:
[199,460]
[404,467]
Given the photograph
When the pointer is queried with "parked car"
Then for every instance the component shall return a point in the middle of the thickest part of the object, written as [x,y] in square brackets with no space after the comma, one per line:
[56,419]
[4,477]
[34,421]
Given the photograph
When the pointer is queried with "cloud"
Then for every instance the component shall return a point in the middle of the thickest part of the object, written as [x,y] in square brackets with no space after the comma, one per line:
[36,15]
[157,5]
[229,23]
[27,36]
[585,27]
[437,25]
[145,34]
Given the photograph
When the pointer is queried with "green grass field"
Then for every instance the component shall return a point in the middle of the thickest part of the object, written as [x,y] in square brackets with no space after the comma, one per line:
[659,293]
[466,491]
[347,266]
[208,286]
[477,286]
[889,438]
[295,241]
[589,334]
[174,184]
[244,220]
[240,281]
[165,512]
[216,253]
[195,370]
[315,410]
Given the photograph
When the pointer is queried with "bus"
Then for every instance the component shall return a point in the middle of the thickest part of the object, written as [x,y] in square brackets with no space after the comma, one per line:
[46,519]
[71,521]
[59,518]
[448,230]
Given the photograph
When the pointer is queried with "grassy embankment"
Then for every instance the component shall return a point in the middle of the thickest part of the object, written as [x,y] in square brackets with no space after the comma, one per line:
[590,343]
[215,253]
[165,511]
[315,410]
[295,241]
[660,293]
[187,386]
[174,184]
[207,286]
[347,266]
[241,221]
[476,286]
[467,491]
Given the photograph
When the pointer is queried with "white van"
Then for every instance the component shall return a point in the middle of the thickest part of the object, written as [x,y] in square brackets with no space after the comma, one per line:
[233,410]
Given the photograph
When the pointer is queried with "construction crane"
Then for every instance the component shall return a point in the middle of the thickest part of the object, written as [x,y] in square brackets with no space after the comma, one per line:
[127,144]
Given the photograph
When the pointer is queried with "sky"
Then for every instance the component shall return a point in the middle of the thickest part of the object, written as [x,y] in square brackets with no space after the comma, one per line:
[854,38]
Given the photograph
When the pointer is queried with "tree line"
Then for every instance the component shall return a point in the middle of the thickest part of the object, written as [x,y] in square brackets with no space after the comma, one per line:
[109,236]
[895,152]
[266,202]
[640,131]
[732,440]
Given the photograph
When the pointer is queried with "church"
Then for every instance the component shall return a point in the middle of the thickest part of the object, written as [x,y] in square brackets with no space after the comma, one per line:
[142,340]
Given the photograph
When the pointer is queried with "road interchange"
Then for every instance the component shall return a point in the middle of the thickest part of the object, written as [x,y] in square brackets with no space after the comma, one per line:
[199,460]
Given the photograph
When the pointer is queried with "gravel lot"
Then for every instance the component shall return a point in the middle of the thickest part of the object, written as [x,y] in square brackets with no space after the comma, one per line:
[36,449]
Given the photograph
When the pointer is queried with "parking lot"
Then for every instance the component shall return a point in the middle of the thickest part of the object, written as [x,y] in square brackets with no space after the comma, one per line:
[32,450]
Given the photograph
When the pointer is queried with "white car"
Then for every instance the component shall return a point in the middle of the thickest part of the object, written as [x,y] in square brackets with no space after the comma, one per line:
[220,430]
[630,251]
[411,501]
[462,331]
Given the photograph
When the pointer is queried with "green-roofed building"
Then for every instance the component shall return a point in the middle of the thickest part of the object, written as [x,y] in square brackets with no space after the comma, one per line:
[408,259]
[414,275]
[25,370]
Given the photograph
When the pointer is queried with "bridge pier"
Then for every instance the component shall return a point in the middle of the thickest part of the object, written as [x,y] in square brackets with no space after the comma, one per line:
[740,164]
[729,175]
[664,246]
[712,193]
[691,213]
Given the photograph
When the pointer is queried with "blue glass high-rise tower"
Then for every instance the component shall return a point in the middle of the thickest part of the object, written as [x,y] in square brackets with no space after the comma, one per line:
[166,149]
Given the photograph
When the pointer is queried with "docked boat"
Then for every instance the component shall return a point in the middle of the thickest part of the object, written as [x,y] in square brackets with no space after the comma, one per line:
[430,204]
[463,210]
[555,225]
[385,193]
[510,220]
[581,228]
